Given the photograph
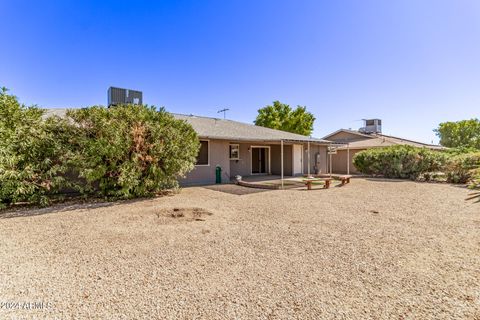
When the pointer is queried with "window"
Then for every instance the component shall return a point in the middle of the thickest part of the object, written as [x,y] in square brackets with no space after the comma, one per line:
[203,154]
[370,122]
[379,122]
[234,152]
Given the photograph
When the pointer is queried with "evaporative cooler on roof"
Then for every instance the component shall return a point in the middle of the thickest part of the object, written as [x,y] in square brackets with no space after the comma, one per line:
[118,96]
[371,126]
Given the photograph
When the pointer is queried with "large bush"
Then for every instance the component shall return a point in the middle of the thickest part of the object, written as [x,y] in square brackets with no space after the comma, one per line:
[131,151]
[404,162]
[463,168]
[32,161]
[122,152]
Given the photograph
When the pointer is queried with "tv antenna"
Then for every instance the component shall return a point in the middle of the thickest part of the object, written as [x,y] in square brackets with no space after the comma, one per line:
[224,112]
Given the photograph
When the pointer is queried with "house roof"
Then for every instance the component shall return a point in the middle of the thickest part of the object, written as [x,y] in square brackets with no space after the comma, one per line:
[61,112]
[378,140]
[348,131]
[214,128]
[223,129]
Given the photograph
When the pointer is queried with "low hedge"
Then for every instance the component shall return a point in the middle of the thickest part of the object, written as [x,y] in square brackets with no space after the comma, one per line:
[401,161]
[406,162]
[118,153]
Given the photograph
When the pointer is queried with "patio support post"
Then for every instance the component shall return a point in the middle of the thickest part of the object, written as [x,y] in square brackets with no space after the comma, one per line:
[308,169]
[281,161]
[330,163]
[348,158]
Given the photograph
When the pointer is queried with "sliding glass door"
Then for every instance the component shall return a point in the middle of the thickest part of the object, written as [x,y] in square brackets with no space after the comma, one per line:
[260,160]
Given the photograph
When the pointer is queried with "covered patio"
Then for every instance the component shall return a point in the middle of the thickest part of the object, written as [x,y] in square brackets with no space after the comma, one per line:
[313,157]
[278,158]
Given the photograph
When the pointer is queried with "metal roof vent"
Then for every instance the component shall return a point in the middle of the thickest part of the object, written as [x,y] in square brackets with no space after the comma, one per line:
[118,96]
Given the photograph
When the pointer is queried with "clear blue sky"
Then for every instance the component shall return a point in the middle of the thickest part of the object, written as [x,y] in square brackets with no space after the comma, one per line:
[412,63]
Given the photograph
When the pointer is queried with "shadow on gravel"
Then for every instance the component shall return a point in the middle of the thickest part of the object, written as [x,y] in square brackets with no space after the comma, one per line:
[28,211]
[387,180]
[234,189]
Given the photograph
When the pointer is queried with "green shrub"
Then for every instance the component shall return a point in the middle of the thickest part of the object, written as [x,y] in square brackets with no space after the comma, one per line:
[463,168]
[31,155]
[122,152]
[404,162]
[131,151]
[460,150]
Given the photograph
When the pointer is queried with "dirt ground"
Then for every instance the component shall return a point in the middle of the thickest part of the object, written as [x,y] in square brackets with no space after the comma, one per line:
[373,249]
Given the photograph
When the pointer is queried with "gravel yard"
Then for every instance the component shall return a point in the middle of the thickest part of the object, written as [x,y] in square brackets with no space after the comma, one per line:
[370,250]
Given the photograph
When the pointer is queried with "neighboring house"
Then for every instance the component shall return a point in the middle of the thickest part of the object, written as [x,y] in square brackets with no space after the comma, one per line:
[246,149]
[370,136]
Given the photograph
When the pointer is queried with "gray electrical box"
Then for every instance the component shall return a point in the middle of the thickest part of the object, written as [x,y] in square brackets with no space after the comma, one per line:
[118,96]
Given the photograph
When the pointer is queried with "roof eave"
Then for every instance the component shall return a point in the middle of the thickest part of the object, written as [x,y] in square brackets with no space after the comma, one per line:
[323,142]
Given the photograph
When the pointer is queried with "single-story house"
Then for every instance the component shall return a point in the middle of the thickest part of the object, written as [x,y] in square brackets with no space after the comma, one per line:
[367,137]
[245,149]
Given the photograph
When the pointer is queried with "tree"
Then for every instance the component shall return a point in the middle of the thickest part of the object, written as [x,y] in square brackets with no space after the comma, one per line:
[460,134]
[280,116]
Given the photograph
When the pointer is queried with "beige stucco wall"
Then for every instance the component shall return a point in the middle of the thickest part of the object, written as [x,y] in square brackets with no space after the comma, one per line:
[287,160]
[339,162]
[242,166]
[218,154]
[314,149]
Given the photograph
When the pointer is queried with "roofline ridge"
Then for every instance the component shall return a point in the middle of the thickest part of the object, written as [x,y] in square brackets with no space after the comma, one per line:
[402,139]
[245,123]
[347,130]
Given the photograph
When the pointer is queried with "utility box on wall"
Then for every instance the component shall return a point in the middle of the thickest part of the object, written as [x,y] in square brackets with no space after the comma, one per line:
[118,96]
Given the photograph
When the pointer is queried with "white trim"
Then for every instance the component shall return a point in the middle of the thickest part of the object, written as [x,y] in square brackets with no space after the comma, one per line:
[269,160]
[230,154]
[208,152]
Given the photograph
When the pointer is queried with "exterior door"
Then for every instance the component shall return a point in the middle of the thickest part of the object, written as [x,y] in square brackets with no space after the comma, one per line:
[260,160]
[297,159]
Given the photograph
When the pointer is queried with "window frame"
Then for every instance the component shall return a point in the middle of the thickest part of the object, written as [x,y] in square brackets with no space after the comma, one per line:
[208,154]
[230,151]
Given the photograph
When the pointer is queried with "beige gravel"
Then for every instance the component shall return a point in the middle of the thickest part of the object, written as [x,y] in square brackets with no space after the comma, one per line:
[371,250]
